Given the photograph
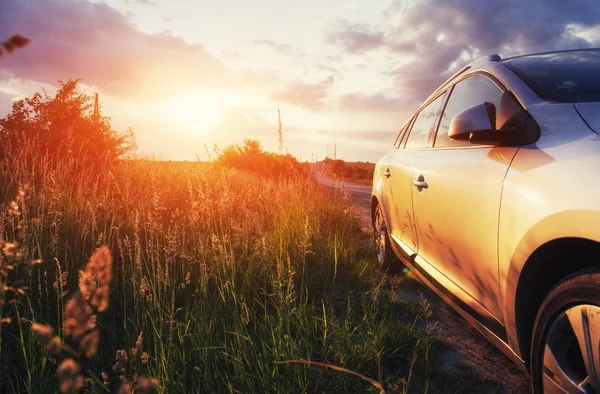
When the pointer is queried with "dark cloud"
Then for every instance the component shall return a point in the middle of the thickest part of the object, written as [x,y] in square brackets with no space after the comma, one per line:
[304,95]
[355,38]
[75,39]
[437,34]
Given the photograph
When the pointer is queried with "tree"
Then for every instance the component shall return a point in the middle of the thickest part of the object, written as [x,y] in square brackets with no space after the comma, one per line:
[62,126]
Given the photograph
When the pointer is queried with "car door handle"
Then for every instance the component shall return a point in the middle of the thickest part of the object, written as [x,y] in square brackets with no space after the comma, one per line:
[420,184]
[387,173]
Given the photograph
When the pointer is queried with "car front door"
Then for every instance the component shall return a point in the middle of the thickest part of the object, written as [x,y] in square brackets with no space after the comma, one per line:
[398,171]
[457,214]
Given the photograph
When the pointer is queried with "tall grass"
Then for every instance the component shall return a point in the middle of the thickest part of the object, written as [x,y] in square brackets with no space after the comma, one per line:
[219,274]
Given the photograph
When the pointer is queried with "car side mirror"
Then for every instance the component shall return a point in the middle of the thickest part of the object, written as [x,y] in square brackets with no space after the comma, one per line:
[477,124]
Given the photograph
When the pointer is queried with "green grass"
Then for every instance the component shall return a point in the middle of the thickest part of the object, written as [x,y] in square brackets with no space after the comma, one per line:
[226,273]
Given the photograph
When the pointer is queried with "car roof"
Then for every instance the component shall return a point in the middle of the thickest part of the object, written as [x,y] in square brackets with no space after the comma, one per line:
[493,64]
[566,51]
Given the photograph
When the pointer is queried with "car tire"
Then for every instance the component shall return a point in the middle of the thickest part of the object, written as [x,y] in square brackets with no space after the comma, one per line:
[568,318]
[386,258]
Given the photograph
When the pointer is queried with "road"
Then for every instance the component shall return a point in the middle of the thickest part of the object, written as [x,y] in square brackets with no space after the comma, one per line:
[468,346]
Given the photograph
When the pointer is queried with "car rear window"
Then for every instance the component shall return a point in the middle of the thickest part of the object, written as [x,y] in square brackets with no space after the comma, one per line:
[564,77]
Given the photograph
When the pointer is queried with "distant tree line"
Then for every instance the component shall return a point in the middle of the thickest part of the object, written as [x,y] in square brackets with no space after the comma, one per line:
[341,169]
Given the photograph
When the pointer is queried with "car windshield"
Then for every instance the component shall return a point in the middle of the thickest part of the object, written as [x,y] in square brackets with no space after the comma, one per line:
[564,77]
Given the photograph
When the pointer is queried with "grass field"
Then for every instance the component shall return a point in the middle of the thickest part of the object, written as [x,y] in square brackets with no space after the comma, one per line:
[220,278]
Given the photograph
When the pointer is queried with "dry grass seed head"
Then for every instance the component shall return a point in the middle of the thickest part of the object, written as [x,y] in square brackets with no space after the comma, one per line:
[89,343]
[94,282]
[45,334]
[78,318]
[70,380]
[125,388]
[145,385]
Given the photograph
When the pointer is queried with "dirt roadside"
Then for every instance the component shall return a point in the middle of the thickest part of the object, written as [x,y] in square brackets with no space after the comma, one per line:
[467,348]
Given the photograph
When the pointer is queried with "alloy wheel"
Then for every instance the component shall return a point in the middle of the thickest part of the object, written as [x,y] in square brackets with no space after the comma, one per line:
[571,354]
[379,229]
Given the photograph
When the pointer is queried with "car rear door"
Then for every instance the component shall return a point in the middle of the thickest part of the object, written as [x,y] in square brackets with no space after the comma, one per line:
[398,171]
[456,215]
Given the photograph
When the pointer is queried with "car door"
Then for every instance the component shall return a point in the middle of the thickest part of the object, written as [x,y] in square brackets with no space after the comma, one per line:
[398,169]
[457,214]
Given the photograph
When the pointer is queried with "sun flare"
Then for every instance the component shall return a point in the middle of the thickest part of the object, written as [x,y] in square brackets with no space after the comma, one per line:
[199,112]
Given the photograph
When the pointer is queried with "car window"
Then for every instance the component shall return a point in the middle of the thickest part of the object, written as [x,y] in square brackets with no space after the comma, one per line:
[419,134]
[564,77]
[467,93]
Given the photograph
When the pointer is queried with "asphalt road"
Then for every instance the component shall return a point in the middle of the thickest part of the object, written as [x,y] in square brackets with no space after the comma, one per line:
[468,346]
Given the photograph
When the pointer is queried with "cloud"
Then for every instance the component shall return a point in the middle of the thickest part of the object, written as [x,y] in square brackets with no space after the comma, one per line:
[304,95]
[433,37]
[355,38]
[378,102]
[144,2]
[75,39]
[6,102]
[279,47]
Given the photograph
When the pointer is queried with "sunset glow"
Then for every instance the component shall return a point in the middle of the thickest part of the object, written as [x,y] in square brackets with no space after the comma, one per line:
[196,111]
[184,74]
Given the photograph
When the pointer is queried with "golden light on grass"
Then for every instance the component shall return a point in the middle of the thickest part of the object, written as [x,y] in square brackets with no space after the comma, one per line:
[373,382]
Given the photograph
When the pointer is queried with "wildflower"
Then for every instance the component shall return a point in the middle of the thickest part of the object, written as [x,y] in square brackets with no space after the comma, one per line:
[145,357]
[104,376]
[145,385]
[120,360]
[89,343]
[77,317]
[70,380]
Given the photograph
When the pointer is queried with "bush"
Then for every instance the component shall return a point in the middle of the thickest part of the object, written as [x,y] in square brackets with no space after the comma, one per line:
[61,127]
[251,157]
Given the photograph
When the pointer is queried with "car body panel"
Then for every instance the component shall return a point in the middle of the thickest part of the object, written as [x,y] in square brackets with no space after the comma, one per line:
[396,199]
[590,112]
[459,209]
[542,198]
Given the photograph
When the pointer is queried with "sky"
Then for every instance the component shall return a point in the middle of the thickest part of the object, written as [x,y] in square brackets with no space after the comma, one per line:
[187,75]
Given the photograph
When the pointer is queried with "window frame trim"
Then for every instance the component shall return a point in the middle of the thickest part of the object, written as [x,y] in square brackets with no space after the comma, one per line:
[405,129]
[435,122]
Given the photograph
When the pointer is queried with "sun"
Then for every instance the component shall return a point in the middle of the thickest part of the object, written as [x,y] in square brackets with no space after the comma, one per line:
[197,111]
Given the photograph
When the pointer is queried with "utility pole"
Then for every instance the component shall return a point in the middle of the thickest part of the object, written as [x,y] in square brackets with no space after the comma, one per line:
[96,110]
[280,131]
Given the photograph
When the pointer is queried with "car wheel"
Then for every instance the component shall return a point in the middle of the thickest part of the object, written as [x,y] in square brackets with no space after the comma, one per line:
[565,351]
[385,255]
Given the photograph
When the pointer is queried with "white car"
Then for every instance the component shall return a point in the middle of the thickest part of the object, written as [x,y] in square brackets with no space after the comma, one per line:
[491,196]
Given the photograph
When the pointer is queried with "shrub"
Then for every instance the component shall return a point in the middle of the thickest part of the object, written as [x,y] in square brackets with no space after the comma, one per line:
[251,157]
[61,127]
